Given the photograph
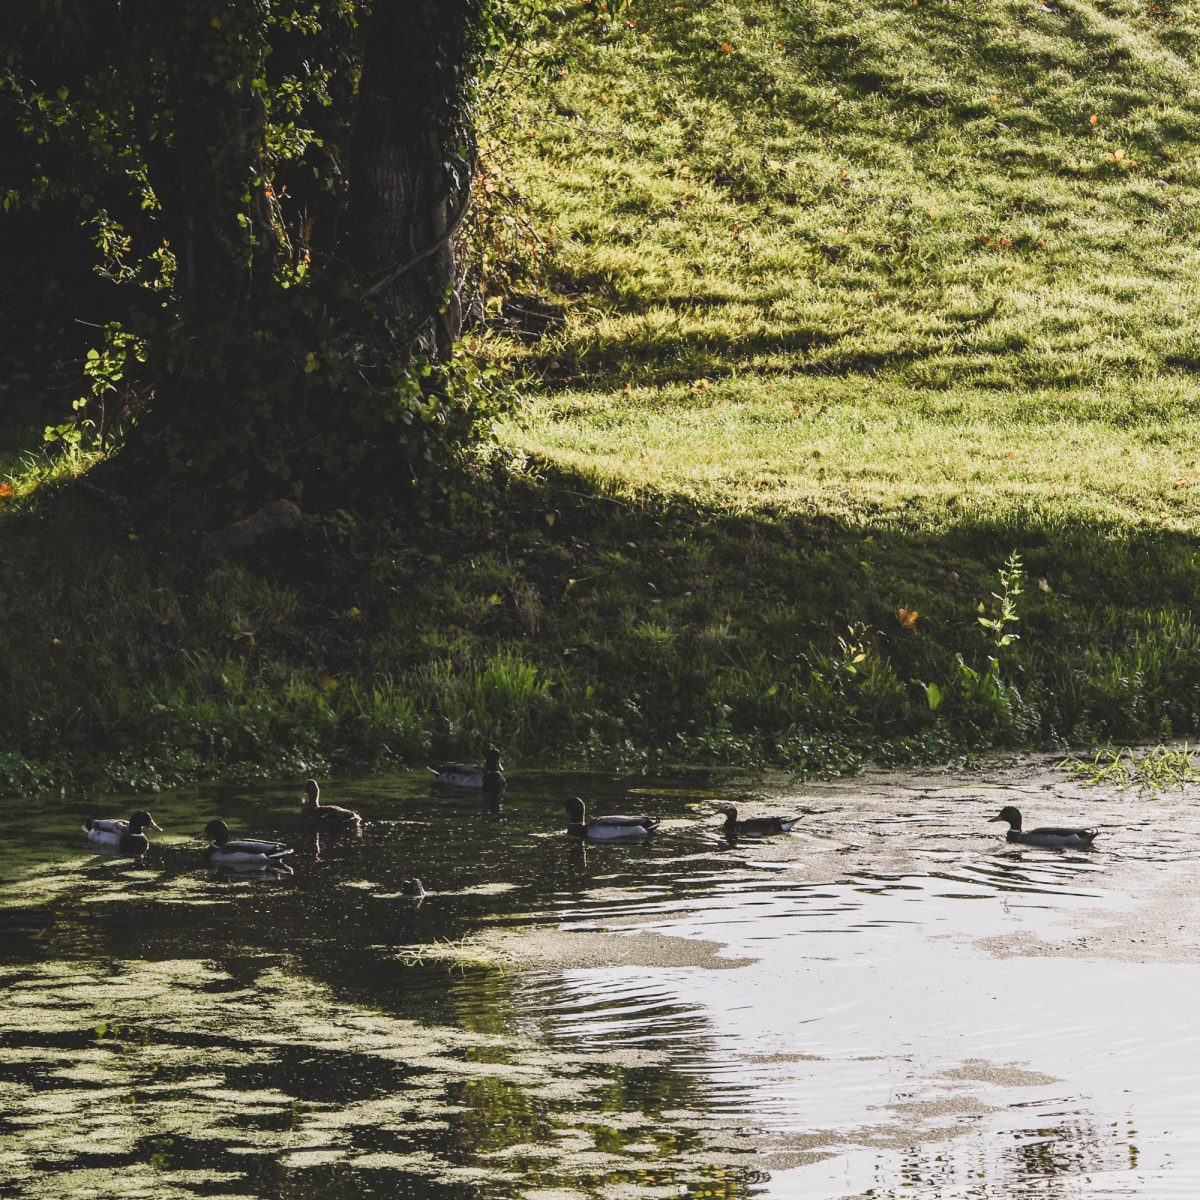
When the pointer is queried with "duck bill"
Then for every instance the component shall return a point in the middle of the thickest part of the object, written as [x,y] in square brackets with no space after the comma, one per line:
[155,825]
[993,820]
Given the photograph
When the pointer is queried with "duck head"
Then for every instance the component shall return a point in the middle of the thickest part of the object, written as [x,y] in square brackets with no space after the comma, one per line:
[414,887]
[1009,814]
[140,820]
[217,832]
[312,794]
[729,811]
[491,760]
[575,809]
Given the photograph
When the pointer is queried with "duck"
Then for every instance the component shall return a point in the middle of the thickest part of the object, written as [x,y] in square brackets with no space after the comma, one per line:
[126,836]
[1049,836]
[327,816]
[606,828]
[489,777]
[754,825]
[248,852]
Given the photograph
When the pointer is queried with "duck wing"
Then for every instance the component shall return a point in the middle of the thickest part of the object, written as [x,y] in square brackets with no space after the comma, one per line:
[1063,831]
[767,824]
[616,828]
[468,775]
[253,846]
[334,814]
[106,825]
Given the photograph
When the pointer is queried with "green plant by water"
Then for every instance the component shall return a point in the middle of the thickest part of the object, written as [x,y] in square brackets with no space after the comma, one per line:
[1156,769]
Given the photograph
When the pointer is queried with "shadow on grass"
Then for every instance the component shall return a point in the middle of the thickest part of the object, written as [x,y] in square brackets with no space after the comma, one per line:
[569,623]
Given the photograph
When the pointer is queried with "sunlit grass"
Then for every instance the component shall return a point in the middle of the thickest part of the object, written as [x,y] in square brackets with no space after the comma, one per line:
[895,258]
[865,451]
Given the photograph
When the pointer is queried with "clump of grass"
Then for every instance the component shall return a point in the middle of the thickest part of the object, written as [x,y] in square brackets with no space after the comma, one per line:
[1149,771]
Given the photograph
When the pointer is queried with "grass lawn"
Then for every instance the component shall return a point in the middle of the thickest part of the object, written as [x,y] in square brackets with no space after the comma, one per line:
[912,262]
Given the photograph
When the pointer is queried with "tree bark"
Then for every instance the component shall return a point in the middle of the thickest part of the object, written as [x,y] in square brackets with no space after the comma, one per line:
[411,165]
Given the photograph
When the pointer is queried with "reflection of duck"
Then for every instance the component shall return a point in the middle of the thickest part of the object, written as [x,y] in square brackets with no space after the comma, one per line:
[327,816]
[255,871]
[126,836]
[606,828]
[1047,836]
[753,825]
[249,852]
[490,776]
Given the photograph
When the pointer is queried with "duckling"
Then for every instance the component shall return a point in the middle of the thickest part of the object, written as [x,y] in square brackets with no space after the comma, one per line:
[489,777]
[606,828]
[1048,836]
[246,853]
[754,825]
[327,816]
[125,836]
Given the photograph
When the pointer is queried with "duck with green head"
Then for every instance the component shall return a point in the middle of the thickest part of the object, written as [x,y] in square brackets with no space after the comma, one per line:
[1058,837]
[606,829]
[246,852]
[489,776]
[127,837]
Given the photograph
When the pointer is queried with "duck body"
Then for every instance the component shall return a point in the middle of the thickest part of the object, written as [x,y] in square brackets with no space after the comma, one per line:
[1058,837]
[489,776]
[127,837]
[606,829]
[330,817]
[245,852]
[754,826]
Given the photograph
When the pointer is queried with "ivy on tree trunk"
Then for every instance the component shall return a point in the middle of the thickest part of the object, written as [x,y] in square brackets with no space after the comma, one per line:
[411,165]
[279,187]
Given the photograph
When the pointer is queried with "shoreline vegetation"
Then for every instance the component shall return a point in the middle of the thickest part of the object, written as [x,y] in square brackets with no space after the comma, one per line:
[856,420]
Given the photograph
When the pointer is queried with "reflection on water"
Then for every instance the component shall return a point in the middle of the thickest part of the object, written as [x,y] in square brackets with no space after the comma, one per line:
[890,1001]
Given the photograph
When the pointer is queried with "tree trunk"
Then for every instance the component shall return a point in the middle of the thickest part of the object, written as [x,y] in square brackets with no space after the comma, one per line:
[219,224]
[411,165]
[220,241]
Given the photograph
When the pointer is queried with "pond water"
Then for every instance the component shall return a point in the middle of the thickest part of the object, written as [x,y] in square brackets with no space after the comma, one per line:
[890,1001]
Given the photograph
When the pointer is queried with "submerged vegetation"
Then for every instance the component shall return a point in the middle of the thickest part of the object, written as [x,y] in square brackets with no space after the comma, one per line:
[857,342]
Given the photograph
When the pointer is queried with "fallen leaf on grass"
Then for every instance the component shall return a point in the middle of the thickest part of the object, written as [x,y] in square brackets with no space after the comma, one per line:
[1120,159]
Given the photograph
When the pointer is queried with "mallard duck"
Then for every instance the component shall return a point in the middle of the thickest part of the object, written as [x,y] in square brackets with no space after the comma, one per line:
[248,852]
[754,825]
[327,816]
[490,776]
[1048,836]
[126,836]
[606,828]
